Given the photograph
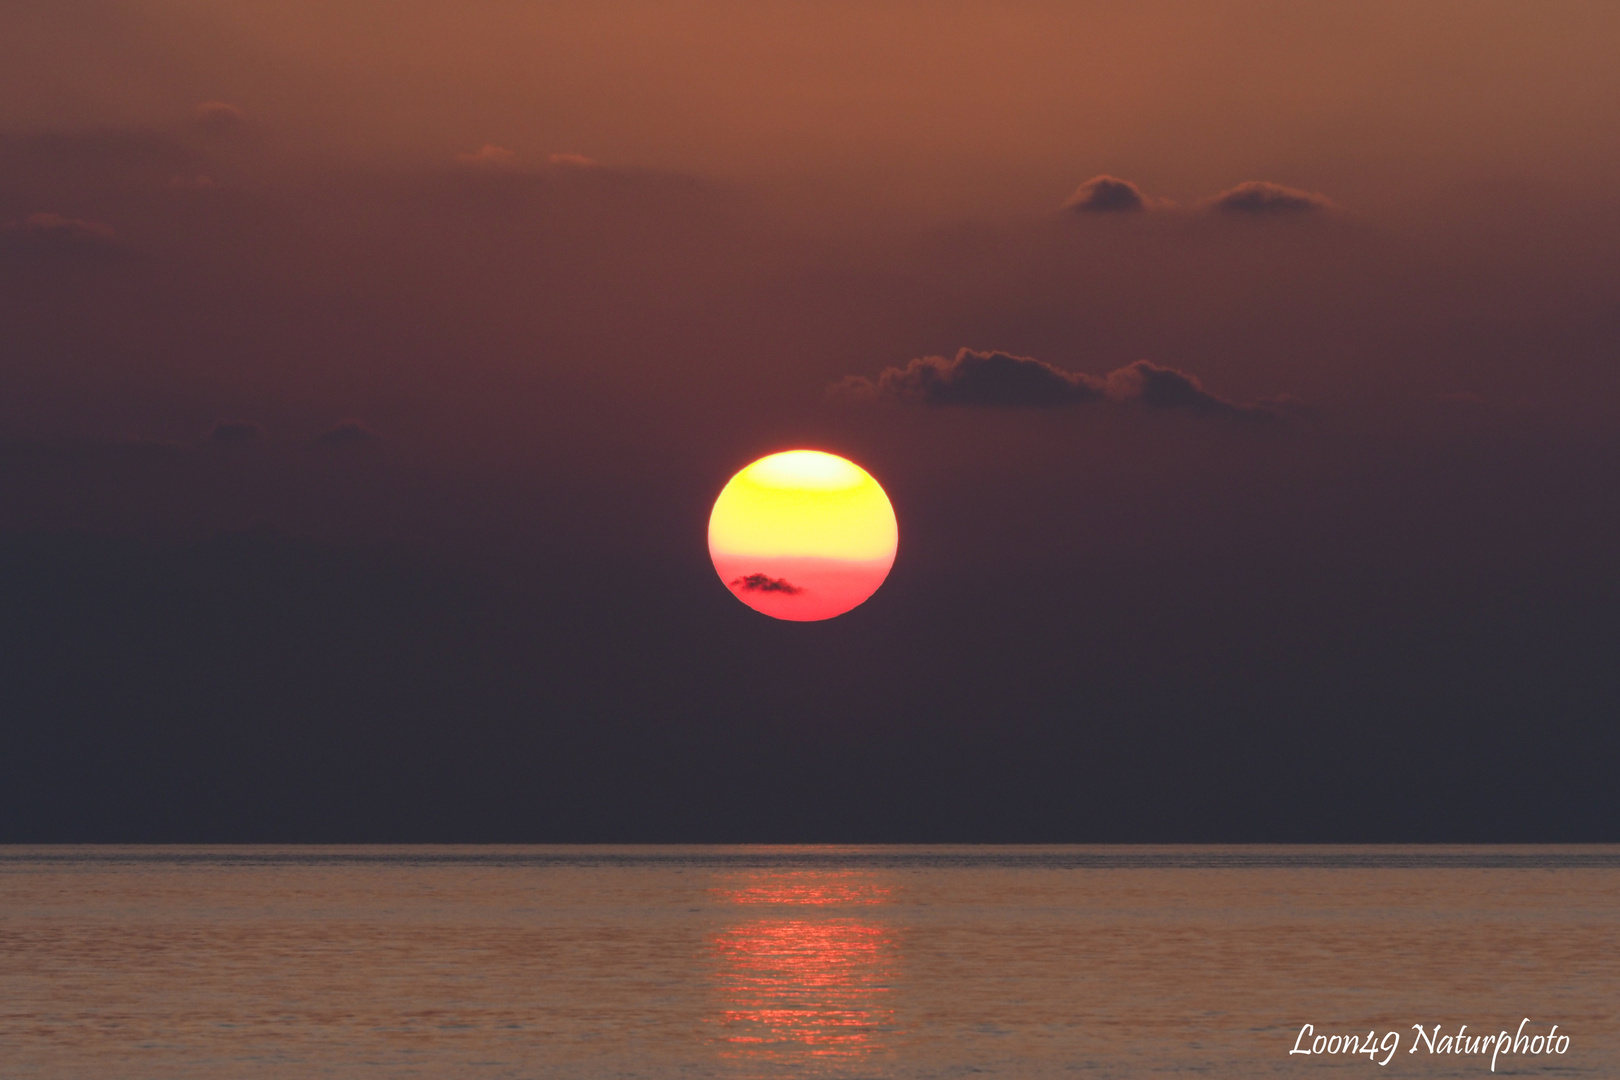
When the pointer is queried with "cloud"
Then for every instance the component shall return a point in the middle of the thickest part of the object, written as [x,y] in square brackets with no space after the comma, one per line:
[974,378]
[489,156]
[47,235]
[348,433]
[1265,198]
[1106,195]
[998,379]
[1158,387]
[218,118]
[235,433]
[765,583]
[56,229]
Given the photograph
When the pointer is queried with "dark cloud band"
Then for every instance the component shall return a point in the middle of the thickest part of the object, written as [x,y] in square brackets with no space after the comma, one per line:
[1263,197]
[766,583]
[1002,380]
[1106,195]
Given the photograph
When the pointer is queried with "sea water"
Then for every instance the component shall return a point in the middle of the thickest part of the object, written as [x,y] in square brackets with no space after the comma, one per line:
[594,962]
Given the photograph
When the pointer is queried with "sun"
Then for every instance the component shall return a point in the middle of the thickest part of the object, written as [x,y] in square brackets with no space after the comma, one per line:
[803,535]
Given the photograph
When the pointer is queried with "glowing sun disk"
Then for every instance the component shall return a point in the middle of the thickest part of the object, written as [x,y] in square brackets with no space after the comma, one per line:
[803,535]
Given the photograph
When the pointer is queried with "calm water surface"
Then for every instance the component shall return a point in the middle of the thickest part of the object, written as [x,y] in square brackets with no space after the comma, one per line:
[805,962]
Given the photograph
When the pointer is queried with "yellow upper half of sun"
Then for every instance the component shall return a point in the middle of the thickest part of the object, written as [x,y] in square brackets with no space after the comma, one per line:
[804,503]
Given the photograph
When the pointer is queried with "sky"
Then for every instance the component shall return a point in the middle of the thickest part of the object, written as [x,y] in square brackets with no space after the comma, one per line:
[1242,375]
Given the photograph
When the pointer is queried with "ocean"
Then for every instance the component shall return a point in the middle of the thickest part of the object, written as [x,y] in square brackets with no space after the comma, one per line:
[239,963]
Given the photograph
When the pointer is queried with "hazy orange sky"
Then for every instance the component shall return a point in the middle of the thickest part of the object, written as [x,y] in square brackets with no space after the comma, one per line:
[955,109]
[1468,145]
[1235,350]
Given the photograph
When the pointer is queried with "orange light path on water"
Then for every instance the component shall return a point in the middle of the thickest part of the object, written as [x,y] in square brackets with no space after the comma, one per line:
[809,978]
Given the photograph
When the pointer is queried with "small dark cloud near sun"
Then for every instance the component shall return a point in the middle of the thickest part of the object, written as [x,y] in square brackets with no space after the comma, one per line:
[1001,380]
[973,378]
[1106,195]
[766,583]
[1260,197]
[349,433]
[235,433]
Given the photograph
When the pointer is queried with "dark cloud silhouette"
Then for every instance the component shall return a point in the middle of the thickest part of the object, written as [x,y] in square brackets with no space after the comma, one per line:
[56,229]
[348,433]
[219,118]
[52,235]
[765,583]
[1263,197]
[1106,195]
[974,378]
[235,433]
[997,379]
[1166,388]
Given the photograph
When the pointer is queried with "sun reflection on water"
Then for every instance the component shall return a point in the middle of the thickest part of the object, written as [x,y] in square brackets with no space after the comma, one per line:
[805,975]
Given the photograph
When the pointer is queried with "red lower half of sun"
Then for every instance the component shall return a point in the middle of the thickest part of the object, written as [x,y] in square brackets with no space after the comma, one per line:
[800,588]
